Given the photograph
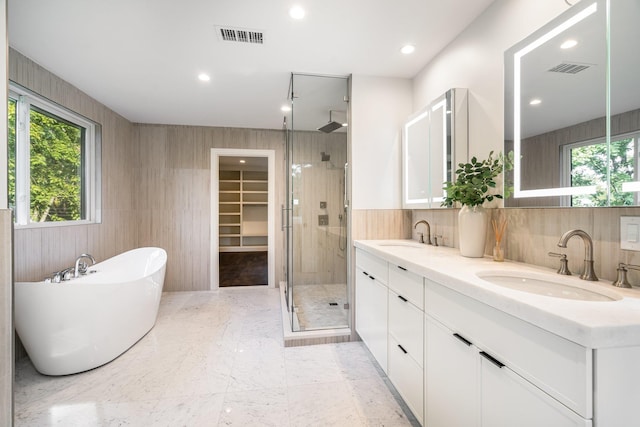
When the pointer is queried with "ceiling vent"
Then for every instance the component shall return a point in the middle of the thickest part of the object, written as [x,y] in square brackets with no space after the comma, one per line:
[241,35]
[566,68]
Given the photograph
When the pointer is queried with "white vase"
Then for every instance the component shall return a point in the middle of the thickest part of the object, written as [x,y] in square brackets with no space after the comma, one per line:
[472,225]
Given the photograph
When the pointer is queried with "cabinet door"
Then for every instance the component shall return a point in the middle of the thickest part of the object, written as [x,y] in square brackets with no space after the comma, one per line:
[451,378]
[371,315]
[509,400]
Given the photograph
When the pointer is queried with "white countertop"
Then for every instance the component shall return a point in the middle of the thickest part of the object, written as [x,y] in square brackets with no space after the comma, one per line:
[593,324]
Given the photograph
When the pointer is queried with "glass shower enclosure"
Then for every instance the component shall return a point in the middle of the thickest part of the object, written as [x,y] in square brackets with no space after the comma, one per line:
[317,203]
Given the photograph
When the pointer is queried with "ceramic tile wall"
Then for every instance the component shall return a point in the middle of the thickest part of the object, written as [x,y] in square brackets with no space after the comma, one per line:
[173,195]
[6,320]
[318,257]
[380,224]
[531,233]
[38,252]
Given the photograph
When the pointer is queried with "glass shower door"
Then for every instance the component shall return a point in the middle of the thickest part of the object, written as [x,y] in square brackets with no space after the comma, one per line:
[317,232]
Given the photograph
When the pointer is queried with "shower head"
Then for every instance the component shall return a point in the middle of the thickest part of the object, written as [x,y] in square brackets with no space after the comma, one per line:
[331,126]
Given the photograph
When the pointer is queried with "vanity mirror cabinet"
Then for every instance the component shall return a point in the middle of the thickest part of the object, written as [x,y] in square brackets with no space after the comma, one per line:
[572,109]
[434,141]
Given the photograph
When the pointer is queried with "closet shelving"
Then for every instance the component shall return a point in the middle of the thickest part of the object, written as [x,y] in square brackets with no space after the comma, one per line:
[242,200]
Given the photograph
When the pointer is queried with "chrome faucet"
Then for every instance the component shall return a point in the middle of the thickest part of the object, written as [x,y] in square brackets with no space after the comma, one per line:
[81,267]
[588,273]
[422,221]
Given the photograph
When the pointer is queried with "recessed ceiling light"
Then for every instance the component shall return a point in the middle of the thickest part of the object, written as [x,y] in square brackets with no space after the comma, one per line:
[535,101]
[344,125]
[285,108]
[407,49]
[568,44]
[203,77]
[243,161]
[296,12]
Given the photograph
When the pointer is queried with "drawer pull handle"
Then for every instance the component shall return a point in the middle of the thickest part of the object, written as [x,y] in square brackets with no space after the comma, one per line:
[402,268]
[402,348]
[365,273]
[492,359]
[371,277]
[403,298]
[463,339]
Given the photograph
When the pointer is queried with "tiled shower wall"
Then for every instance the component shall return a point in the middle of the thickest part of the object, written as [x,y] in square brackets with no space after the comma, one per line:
[533,232]
[319,252]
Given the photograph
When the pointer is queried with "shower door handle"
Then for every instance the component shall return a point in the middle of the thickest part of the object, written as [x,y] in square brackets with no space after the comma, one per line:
[346,201]
[282,218]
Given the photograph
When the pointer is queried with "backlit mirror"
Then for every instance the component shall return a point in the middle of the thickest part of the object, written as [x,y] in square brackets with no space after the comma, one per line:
[571,113]
[435,139]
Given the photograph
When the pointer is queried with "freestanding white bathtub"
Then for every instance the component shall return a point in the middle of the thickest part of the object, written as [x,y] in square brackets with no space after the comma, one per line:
[83,323]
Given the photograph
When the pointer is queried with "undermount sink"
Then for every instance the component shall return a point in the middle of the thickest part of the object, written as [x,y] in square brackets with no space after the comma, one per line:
[546,286]
[401,244]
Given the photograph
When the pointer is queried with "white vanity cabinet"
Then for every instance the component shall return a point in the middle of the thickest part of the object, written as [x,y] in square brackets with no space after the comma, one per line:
[371,304]
[491,358]
[520,374]
[406,336]
[390,321]
[452,383]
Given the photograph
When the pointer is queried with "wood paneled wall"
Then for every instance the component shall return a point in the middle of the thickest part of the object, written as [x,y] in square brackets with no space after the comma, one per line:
[39,252]
[173,194]
[155,189]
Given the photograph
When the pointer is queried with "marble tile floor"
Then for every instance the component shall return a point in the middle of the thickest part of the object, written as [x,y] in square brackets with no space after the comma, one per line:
[216,359]
[313,309]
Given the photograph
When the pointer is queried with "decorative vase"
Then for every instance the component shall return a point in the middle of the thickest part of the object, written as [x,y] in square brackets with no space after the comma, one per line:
[472,224]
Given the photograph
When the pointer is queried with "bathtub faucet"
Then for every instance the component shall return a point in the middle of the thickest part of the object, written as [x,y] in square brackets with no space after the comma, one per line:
[81,267]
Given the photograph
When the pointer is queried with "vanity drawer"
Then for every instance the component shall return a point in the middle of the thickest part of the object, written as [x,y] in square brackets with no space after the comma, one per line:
[407,284]
[561,368]
[372,265]
[406,325]
[408,378]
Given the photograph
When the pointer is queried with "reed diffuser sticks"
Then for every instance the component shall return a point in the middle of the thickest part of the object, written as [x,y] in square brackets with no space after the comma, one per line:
[498,229]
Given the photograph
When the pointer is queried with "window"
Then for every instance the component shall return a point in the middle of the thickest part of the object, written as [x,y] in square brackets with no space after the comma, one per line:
[592,163]
[53,162]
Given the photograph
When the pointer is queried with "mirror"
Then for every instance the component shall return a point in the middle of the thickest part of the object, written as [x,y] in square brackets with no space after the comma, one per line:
[435,139]
[571,109]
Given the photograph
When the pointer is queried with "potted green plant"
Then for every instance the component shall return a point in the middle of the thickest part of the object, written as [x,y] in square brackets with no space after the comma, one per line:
[474,185]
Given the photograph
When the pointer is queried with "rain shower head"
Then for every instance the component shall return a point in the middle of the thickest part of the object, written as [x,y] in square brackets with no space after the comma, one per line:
[331,126]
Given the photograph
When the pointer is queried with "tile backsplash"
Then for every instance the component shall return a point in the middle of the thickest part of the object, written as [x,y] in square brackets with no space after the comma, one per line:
[532,233]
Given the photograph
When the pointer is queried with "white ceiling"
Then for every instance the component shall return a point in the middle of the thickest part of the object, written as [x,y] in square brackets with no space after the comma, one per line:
[141,58]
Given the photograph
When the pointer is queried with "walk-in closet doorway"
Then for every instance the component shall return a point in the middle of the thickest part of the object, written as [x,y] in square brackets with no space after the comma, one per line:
[242,217]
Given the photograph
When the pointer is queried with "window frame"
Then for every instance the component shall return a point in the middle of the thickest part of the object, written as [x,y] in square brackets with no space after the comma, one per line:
[91,161]
[565,170]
